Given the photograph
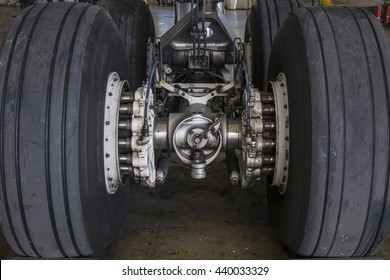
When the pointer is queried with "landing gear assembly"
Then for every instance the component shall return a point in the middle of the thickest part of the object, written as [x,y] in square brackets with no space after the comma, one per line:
[94,102]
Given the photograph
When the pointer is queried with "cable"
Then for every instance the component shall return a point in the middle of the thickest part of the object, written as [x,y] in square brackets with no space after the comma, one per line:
[146,125]
[248,100]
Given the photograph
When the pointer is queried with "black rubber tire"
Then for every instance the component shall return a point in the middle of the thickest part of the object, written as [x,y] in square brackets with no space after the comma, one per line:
[55,62]
[337,64]
[136,25]
[262,24]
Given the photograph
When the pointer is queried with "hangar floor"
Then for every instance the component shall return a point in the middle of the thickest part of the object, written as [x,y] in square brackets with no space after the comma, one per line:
[187,219]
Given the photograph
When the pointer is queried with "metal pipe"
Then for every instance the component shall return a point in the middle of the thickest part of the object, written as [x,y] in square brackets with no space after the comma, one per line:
[198,165]
[162,168]
[232,165]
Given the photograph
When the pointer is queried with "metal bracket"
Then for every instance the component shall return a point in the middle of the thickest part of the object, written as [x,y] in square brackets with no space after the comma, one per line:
[203,99]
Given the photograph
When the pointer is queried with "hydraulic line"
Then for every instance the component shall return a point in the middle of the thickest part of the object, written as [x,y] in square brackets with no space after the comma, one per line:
[248,99]
[146,110]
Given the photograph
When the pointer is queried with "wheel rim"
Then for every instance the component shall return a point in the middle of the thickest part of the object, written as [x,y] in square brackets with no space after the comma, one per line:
[114,174]
[279,88]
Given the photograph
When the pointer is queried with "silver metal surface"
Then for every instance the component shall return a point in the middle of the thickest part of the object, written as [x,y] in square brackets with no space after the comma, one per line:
[181,10]
[160,134]
[194,133]
[142,146]
[256,144]
[162,168]
[233,136]
[198,99]
[112,173]
[279,88]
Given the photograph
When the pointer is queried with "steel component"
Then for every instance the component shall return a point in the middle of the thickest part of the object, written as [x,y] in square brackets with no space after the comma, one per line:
[126,169]
[126,109]
[125,158]
[198,99]
[127,97]
[198,164]
[182,8]
[124,124]
[269,125]
[199,108]
[142,146]
[269,144]
[162,168]
[252,145]
[160,134]
[233,133]
[232,165]
[197,132]
[268,110]
[266,149]
[279,88]
[124,143]
[133,155]
[112,169]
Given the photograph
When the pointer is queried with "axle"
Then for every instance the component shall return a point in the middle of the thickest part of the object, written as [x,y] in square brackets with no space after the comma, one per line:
[197,134]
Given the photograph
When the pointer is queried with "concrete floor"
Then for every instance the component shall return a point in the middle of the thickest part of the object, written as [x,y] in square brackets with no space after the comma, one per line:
[187,219]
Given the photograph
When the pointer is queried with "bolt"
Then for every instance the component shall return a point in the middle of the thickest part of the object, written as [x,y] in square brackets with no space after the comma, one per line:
[126,109]
[125,158]
[125,124]
[127,97]
[160,181]
[124,143]
[234,181]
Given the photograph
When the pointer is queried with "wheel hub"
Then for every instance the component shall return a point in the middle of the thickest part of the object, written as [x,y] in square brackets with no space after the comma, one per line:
[279,88]
[265,151]
[127,150]
[113,174]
